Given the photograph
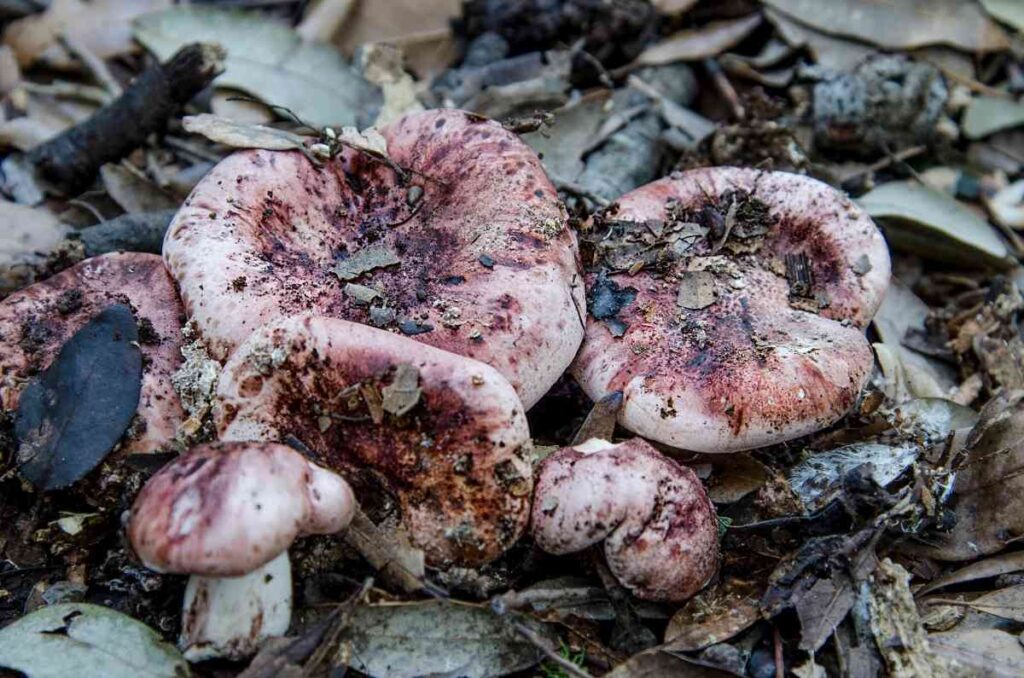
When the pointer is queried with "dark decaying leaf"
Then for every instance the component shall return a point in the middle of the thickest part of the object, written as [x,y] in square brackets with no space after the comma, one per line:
[989,489]
[75,412]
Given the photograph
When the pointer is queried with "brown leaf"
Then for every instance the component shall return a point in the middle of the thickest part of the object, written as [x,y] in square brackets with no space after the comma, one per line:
[737,477]
[404,391]
[102,26]
[699,43]
[135,194]
[654,663]
[696,290]
[713,617]
[421,28]
[901,25]
[822,608]
[990,567]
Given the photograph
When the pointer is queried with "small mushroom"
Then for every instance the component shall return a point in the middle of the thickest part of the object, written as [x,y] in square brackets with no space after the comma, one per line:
[227,513]
[36,321]
[659,528]
[269,234]
[445,435]
[748,328]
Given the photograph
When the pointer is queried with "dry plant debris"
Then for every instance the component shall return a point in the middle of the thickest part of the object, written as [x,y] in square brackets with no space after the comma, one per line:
[260,261]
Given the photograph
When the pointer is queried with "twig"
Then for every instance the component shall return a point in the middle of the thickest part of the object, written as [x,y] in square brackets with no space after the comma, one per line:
[725,88]
[344,616]
[95,65]
[889,159]
[128,232]
[197,152]
[68,90]
[70,160]
[780,665]
[544,646]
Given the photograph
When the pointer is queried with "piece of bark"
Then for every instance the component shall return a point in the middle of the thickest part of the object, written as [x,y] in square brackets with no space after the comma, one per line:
[71,160]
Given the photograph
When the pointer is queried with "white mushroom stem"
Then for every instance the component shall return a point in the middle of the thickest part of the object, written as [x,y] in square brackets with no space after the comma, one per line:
[230,617]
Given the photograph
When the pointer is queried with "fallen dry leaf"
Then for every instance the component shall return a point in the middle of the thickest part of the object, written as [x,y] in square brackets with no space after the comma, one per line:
[421,28]
[987,652]
[713,617]
[101,26]
[901,25]
[700,43]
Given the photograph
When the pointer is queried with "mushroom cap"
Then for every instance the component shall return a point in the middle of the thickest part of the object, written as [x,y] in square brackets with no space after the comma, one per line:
[227,508]
[453,453]
[36,321]
[477,243]
[720,354]
[659,528]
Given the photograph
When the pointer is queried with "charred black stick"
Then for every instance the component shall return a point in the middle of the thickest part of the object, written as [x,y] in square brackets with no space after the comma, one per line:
[128,232]
[70,161]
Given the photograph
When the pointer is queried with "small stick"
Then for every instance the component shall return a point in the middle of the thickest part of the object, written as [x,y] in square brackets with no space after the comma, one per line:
[725,88]
[70,160]
[780,666]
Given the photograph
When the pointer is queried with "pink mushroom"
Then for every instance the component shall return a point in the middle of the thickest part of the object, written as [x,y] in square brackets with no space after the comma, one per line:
[227,512]
[445,435]
[659,528]
[744,325]
[468,251]
[36,321]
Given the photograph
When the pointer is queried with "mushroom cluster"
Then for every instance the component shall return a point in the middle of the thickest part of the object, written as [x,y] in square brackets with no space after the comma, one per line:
[393,319]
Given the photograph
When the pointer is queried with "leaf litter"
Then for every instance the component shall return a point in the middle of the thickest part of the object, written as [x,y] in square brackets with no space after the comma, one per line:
[828,541]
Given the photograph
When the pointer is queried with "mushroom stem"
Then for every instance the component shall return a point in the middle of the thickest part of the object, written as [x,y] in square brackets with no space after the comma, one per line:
[230,617]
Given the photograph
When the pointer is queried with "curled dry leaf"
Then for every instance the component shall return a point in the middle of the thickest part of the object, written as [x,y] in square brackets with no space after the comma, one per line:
[238,135]
[700,43]
[989,567]
[931,224]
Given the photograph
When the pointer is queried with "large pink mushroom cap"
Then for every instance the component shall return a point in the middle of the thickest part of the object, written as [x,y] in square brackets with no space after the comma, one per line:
[445,435]
[226,509]
[36,321]
[469,251]
[745,325]
[659,528]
